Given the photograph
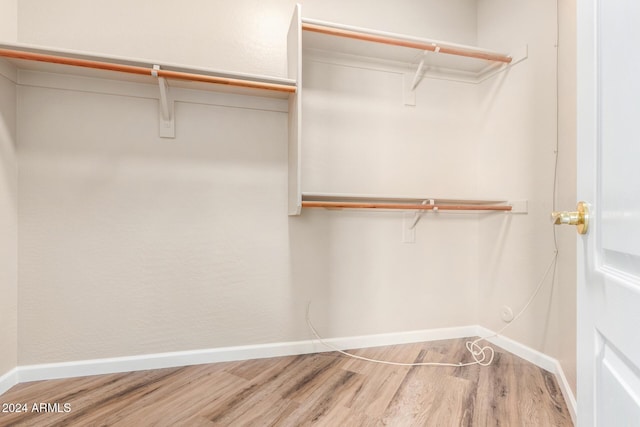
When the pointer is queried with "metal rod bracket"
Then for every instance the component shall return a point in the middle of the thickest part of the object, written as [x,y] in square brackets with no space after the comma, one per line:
[166,114]
[418,214]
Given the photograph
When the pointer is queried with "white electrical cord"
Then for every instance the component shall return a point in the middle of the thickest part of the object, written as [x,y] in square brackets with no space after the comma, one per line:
[476,351]
[482,356]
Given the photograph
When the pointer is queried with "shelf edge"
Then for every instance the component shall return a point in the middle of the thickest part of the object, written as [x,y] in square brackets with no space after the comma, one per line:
[375,36]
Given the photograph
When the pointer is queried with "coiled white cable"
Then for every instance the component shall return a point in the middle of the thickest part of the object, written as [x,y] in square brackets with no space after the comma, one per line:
[479,353]
[482,355]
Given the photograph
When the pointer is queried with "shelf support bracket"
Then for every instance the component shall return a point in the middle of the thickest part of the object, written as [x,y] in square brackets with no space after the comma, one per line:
[410,88]
[417,78]
[418,214]
[166,114]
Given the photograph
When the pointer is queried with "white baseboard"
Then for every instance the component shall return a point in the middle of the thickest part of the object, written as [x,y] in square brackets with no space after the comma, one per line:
[8,380]
[378,340]
[226,354]
[520,350]
[569,397]
[260,351]
[537,358]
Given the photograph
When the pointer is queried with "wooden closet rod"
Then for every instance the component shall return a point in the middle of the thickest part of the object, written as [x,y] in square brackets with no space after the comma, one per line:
[145,71]
[361,205]
[433,47]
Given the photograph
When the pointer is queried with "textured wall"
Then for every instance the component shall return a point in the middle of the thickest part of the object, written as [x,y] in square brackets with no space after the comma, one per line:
[516,146]
[8,20]
[522,123]
[8,224]
[562,334]
[130,244]
[134,245]
[242,35]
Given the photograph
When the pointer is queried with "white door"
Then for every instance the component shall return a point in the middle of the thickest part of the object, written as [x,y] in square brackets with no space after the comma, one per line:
[609,180]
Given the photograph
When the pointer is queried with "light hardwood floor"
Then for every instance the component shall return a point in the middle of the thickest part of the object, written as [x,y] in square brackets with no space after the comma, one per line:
[325,389]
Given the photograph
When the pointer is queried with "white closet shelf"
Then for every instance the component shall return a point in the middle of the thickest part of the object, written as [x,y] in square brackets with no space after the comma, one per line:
[384,202]
[429,57]
[28,57]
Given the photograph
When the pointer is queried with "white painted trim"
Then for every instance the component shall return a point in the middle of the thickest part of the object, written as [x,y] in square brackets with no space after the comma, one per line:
[438,72]
[569,397]
[8,380]
[156,361]
[205,95]
[365,341]
[259,351]
[537,358]
[141,62]
[527,353]
[226,354]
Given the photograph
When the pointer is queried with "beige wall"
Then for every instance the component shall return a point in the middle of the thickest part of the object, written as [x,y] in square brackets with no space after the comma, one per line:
[243,35]
[562,342]
[516,151]
[523,123]
[130,244]
[8,222]
[8,20]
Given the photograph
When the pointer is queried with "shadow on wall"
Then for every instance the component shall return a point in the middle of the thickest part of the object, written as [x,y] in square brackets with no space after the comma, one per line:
[362,279]
[131,244]
[310,271]
[8,139]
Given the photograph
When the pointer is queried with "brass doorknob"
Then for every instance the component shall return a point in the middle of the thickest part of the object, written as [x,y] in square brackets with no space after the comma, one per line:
[580,218]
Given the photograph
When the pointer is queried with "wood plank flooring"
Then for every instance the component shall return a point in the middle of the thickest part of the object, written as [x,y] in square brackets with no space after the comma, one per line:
[325,389]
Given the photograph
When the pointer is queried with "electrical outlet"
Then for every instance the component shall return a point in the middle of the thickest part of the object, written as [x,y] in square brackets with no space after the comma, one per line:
[506,314]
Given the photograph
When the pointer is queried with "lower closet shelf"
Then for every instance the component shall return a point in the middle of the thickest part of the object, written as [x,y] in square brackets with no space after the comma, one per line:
[346,201]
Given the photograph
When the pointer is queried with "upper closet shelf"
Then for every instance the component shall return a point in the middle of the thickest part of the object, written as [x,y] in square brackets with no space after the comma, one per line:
[142,71]
[427,58]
